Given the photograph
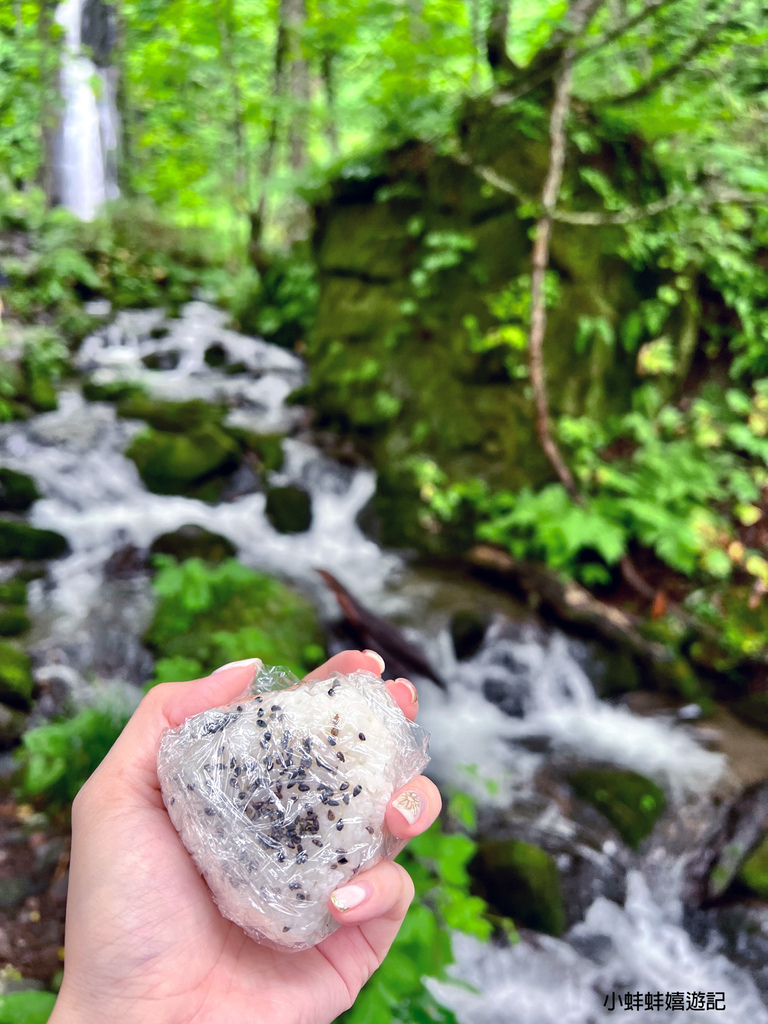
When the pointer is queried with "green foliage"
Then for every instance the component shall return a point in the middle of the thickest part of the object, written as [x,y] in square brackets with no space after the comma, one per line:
[437,862]
[208,615]
[26,1007]
[56,759]
[279,305]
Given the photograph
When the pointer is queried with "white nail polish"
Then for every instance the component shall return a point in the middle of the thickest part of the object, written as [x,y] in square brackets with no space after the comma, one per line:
[237,664]
[349,897]
[410,805]
[378,657]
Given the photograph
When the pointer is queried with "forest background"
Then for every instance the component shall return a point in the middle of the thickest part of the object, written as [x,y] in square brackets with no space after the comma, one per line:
[554,349]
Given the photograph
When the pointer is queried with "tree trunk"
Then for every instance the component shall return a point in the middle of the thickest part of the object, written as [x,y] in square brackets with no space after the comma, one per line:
[294,16]
[496,39]
[329,86]
[225,23]
[49,66]
[125,152]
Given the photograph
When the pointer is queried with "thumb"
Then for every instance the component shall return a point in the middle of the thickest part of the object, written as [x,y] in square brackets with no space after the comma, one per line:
[133,758]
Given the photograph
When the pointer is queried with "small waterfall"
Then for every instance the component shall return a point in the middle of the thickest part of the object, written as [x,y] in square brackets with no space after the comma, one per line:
[88,136]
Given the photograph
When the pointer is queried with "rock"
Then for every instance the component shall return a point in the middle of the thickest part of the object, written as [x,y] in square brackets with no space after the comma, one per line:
[170,416]
[111,391]
[191,541]
[522,881]
[289,509]
[754,871]
[41,395]
[174,463]
[125,563]
[13,620]
[17,491]
[739,830]
[753,709]
[12,725]
[16,682]
[468,629]
[628,800]
[20,540]
[215,355]
[268,448]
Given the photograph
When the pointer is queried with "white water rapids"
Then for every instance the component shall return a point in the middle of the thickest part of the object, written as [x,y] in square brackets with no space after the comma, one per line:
[93,495]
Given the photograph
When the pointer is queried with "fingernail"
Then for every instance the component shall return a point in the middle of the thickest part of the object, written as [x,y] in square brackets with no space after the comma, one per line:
[410,804]
[377,658]
[350,896]
[237,664]
[411,688]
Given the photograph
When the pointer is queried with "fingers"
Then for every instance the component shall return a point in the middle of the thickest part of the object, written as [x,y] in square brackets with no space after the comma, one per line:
[349,661]
[413,808]
[382,893]
[134,755]
[404,693]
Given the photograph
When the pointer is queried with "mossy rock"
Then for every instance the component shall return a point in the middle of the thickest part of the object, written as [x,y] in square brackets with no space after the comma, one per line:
[241,614]
[754,871]
[41,395]
[110,391]
[521,881]
[16,682]
[169,416]
[17,490]
[289,509]
[468,628]
[630,802]
[20,540]
[192,541]
[174,463]
[753,709]
[12,725]
[268,448]
[13,621]
[14,591]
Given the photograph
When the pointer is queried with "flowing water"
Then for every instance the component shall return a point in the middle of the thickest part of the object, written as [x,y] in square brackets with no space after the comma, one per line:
[628,931]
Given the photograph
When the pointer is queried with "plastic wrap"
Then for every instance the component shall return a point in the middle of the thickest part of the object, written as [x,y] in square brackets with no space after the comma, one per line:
[280,796]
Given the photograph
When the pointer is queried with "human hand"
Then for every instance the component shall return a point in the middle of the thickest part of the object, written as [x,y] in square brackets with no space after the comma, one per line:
[145,941]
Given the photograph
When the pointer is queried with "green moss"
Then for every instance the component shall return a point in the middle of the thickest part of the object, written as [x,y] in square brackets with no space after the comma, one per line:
[193,541]
[629,801]
[41,395]
[14,591]
[173,463]
[169,416]
[268,448]
[111,391]
[16,682]
[754,871]
[211,615]
[289,509]
[523,882]
[17,490]
[13,620]
[20,540]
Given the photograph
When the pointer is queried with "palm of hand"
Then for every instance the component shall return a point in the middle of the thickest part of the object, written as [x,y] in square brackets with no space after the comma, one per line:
[145,941]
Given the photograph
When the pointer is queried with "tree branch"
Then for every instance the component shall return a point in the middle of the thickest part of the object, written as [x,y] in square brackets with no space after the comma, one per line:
[701,43]
[651,7]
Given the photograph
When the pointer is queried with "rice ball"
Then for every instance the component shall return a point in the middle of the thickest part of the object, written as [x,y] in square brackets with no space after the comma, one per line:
[280,796]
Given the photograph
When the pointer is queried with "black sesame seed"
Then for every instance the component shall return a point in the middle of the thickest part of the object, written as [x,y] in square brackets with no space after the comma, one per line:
[286,928]
[209,811]
[317,842]
[369,828]
[307,743]
[357,791]
[261,722]
[190,787]
[294,885]
[343,860]
[276,707]
[345,798]
[361,735]
[173,800]
[303,787]
[334,731]
[343,786]
[267,735]
[334,866]
[332,741]
[331,692]
[239,707]
[241,796]
[339,826]
[340,755]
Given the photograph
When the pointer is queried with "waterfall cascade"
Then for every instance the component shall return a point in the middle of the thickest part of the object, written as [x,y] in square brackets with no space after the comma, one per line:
[87,146]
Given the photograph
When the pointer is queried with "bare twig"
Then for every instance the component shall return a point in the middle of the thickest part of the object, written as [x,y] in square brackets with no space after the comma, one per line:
[697,47]
[650,8]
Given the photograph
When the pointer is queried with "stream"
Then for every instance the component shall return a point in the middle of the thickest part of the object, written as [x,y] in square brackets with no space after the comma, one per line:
[518,712]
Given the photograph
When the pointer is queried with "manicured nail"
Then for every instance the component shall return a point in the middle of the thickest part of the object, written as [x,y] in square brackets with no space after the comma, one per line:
[350,896]
[411,688]
[237,664]
[377,658]
[410,804]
